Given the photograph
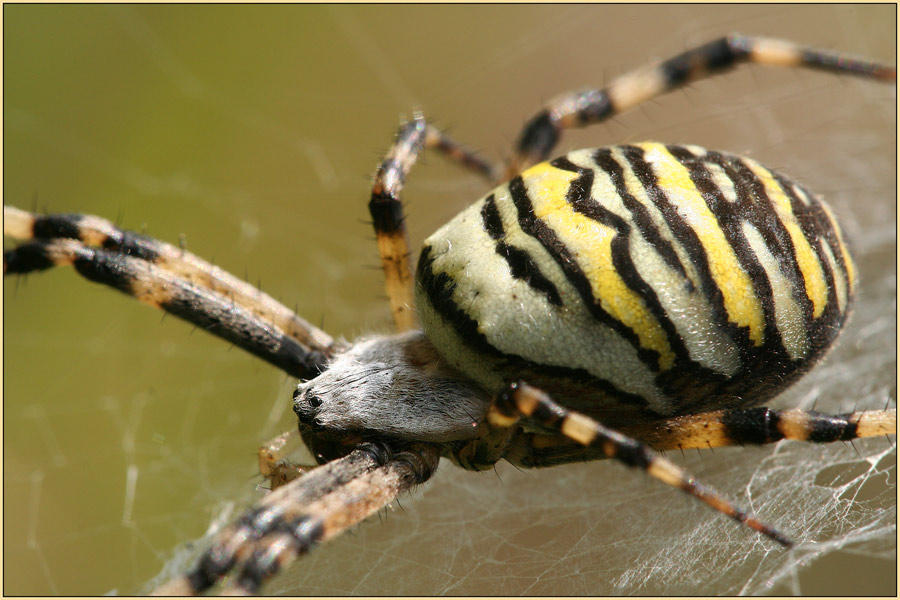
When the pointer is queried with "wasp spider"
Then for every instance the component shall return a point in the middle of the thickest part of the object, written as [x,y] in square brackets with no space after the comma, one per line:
[609,303]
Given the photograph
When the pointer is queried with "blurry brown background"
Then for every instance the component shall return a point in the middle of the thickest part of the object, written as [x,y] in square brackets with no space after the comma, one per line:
[253,131]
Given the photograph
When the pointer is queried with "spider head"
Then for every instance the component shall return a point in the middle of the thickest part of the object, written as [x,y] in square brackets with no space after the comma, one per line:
[387,387]
[324,443]
[306,403]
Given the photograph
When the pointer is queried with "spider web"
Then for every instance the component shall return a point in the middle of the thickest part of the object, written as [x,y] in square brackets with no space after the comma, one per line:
[129,441]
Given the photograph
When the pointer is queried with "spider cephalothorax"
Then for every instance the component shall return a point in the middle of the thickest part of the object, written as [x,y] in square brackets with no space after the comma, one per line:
[396,386]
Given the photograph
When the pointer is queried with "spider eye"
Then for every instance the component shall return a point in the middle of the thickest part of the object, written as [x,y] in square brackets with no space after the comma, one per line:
[305,405]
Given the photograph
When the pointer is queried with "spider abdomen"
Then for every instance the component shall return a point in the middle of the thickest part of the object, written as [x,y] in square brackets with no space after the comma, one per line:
[627,279]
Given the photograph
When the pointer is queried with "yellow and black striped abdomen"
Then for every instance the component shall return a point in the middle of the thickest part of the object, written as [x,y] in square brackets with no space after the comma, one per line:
[668,279]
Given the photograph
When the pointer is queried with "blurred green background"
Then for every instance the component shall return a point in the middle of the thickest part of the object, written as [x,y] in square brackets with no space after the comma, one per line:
[253,131]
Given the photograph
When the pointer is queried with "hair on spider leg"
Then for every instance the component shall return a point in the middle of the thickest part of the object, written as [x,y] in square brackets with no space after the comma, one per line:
[855,449]
[497,473]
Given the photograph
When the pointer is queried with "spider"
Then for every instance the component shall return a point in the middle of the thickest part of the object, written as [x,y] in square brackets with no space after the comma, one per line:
[650,315]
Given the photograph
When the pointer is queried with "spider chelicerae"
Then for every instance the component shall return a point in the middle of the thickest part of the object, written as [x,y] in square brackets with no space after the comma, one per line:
[377,444]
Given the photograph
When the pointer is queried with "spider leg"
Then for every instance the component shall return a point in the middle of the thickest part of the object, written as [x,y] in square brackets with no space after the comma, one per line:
[578,109]
[716,429]
[314,508]
[520,400]
[169,278]
[272,463]
[387,210]
[731,427]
